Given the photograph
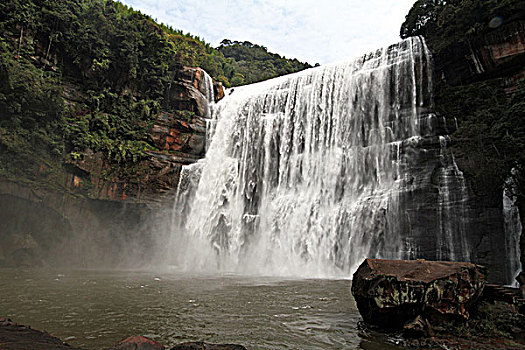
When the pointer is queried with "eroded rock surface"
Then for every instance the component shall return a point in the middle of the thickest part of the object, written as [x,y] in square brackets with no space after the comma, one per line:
[14,336]
[500,53]
[395,293]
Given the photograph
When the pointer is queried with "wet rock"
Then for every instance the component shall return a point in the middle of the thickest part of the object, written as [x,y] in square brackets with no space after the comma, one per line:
[138,342]
[521,280]
[186,97]
[153,176]
[171,132]
[14,336]
[188,91]
[418,327]
[392,293]
[206,346]
[218,90]
[499,53]
[194,76]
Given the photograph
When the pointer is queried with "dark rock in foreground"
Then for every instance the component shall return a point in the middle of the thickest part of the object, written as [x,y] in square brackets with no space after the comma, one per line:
[206,346]
[138,342]
[18,337]
[414,294]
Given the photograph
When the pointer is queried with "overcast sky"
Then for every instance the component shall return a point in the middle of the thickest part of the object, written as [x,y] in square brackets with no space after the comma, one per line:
[315,31]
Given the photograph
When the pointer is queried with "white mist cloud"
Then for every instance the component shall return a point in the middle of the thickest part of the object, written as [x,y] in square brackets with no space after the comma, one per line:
[309,30]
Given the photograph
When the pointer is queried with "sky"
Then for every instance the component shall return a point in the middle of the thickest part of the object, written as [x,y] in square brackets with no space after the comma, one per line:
[313,31]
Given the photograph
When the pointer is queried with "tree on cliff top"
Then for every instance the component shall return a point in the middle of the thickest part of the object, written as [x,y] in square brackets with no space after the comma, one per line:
[253,63]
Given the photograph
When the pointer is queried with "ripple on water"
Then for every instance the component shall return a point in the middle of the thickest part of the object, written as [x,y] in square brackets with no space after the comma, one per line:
[96,309]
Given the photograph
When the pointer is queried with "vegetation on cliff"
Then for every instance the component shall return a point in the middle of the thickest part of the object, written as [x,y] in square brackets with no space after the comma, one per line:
[254,63]
[445,22]
[92,75]
[488,105]
[490,140]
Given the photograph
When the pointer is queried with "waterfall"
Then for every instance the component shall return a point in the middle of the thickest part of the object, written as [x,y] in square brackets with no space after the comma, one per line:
[513,228]
[208,87]
[303,174]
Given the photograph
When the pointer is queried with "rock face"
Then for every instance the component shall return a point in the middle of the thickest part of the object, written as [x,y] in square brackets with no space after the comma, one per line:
[138,342]
[497,57]
[173,133]
[18,337]
[94,211]
[439,217]
[191,90]
[500,53]
[402,293]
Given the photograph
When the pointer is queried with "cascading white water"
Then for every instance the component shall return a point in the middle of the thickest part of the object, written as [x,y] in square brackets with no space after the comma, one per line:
[301,176]
[452,240]
[513,229]
[208,87]
[209,93]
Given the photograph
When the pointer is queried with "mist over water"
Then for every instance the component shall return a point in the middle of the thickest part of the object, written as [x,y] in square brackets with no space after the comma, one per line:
[303,172]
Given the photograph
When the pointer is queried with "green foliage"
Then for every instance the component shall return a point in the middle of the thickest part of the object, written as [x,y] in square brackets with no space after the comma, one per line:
[490,140]
[31,111]
[446,22]
[252,63]
[117,59]
[421,18]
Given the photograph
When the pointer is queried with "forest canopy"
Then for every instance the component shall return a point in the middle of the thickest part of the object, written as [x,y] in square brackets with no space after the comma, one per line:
[92,74]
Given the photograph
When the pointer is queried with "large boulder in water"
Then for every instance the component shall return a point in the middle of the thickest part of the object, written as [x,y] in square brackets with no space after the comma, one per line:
[402,293]
[138,342]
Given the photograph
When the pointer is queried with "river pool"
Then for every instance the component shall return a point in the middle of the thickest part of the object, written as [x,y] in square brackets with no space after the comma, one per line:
[95,309]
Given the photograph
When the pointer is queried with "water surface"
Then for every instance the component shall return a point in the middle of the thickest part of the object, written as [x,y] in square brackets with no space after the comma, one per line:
[96,309]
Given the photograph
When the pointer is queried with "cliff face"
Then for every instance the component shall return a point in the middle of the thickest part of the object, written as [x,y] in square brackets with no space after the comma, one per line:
[478,82]
[101,215]
[179,132]
[498,54]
